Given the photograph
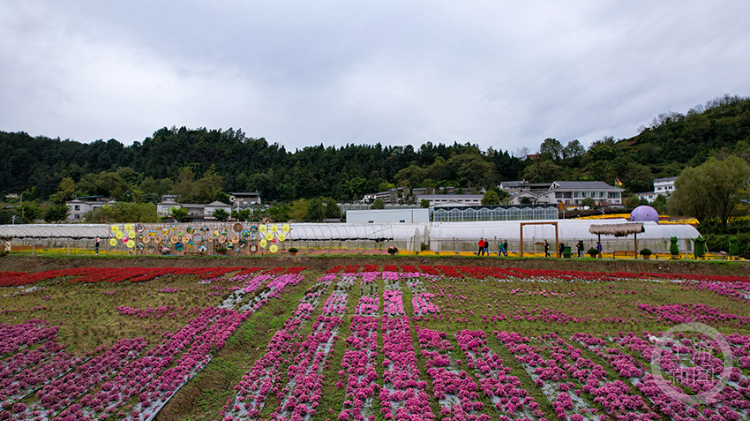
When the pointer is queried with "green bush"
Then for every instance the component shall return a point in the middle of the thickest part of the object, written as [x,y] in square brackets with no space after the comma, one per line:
[720,242]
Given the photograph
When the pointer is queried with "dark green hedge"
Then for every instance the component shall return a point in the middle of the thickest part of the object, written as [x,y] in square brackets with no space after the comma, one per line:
[720,242]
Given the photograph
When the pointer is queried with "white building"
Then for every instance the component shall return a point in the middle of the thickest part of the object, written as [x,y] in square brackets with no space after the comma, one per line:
[164,208]
[388,216]
[244,200]
[438,200]
[197,212]
[664,186]
[79,207]
[566,192]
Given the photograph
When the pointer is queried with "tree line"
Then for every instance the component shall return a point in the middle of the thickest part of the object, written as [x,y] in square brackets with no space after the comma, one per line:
[203,165]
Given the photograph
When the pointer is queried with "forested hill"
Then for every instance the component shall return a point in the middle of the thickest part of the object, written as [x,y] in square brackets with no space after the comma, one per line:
[37,165]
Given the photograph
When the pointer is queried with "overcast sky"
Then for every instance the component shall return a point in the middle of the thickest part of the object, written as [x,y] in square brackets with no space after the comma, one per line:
[499,74]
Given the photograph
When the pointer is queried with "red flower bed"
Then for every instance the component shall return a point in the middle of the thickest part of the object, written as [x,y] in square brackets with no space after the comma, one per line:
[390,268]
[409,268]
[351,269]
[335,269]
[429,270]
[450,271]
[371,268]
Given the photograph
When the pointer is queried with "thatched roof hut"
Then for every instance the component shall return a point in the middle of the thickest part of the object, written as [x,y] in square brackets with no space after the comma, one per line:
[618,230]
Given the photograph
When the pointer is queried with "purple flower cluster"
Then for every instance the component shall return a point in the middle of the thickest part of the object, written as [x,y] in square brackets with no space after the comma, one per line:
[17,337]
[690,312]
[60,394]
[29,369]
[359,367]
[393,304]
[453,388]
[263,378]
[566,371]
[222,323]
[403,394]
[505,391]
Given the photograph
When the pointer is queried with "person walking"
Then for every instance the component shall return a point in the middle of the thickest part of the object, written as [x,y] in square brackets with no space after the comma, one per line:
[505,248]
[546,248]
[500,248]
[599,249]
[562,249]
[96,245]
[487,247]
[579,246]
[480,244]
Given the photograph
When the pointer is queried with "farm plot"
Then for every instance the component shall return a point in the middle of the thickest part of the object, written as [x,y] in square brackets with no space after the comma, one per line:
[371,343]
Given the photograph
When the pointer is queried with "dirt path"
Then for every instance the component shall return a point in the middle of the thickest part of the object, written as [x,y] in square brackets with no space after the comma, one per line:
[35,264]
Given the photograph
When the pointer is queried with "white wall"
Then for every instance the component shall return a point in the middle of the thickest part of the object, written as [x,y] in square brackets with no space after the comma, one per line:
[388,216]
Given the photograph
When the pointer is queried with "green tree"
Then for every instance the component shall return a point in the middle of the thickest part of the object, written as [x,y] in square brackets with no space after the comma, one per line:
[355,187]
[241,215]
[220,215]
[111,184]
[123,212]
[542,171]
[180,214]
[56,213]
[377,204]
[525,200]
[332,209]
[551,149]
[424,203]
[279,213]
[490,198]
[414,174]
[711,190]
[588,202]
[660,204]
[29,211]
[185,185]
[315,210]
[65,192]
[573,150]
[298,210]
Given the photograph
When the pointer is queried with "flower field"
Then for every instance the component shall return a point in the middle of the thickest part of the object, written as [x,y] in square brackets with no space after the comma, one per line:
[370,342]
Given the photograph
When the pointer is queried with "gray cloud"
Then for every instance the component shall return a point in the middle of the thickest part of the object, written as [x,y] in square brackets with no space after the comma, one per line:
[500,75]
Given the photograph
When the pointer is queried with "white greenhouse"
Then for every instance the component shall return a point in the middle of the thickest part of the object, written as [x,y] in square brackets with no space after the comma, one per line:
[438,236]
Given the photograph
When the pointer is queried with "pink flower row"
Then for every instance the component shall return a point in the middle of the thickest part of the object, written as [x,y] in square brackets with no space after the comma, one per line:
[358,367]
[452,387]
[17,337]
[505,391]
[304,376]
[263,378]
[403,395]
[59,394]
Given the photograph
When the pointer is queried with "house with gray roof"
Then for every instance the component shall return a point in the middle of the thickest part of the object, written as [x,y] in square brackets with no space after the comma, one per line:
[570,193]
